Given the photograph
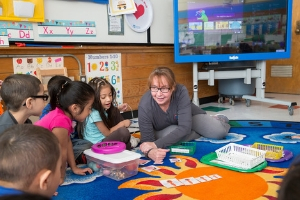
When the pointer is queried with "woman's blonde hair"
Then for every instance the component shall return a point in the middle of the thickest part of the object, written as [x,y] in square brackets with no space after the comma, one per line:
[163,72]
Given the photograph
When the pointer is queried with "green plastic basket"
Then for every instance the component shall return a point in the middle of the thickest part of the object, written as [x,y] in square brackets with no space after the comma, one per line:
[184,148]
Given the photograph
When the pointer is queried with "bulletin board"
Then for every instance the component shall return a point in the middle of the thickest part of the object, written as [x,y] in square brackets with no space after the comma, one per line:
[84,11]
[66,19]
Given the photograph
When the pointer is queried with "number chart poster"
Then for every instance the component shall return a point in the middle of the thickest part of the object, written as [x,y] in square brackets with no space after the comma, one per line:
[29,65]
[107,66]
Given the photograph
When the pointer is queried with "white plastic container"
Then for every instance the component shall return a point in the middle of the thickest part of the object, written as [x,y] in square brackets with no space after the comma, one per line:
[117,166]
[241,156]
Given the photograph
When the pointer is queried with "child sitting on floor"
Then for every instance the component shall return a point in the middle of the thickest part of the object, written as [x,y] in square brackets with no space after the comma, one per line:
[23,96]
[72,102]
[105,123]
[30,161]
[289,187]
[79,144]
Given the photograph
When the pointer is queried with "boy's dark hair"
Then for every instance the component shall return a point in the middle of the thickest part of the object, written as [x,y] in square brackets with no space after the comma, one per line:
[26,149]
[51,86]
[18,87]
[71,92]
[289,187]
[112,113]
[24,196]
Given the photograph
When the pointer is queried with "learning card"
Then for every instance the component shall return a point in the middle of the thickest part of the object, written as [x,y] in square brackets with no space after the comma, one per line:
[215,176]
[173,160]
[170,183]
[143,162]
[206,178]
[189,181]
[150,168]
[200,179]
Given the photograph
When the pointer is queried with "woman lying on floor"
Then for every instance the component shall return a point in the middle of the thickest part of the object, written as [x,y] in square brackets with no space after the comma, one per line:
[167,116]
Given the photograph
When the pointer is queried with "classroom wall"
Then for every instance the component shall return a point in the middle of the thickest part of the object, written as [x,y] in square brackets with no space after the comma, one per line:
[137,63]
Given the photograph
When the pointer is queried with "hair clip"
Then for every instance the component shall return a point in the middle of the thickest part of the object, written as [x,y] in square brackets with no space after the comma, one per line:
[63,85]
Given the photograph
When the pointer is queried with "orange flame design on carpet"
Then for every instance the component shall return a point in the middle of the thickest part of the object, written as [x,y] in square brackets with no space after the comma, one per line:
[232,185]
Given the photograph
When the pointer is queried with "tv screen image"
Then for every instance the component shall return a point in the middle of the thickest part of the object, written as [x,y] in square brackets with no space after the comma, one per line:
[231,30]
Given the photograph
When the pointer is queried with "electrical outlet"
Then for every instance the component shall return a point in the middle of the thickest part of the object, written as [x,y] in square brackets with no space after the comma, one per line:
[297,27]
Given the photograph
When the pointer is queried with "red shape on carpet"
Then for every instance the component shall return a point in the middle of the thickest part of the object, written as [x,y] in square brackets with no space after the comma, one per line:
[164,197]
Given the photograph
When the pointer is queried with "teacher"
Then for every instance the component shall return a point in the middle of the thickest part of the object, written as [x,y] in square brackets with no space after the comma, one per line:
[167,116]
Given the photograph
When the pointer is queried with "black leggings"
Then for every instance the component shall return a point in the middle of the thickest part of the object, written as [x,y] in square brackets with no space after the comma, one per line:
[122,134]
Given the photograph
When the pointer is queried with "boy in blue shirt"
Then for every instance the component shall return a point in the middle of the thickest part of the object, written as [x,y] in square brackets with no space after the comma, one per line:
[30,161]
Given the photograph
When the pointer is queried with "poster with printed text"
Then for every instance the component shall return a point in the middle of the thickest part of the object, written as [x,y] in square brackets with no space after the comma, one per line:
[28,65]
[107,66]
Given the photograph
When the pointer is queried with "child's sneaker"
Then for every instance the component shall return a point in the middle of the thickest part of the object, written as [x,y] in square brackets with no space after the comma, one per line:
[134,141]
[221,117]
[81,159]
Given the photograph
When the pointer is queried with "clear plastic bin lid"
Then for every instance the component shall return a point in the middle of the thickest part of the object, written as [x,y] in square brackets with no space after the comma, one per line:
[116,158]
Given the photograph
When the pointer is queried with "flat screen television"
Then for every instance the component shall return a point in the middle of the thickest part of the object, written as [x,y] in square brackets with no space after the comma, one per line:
[232,30]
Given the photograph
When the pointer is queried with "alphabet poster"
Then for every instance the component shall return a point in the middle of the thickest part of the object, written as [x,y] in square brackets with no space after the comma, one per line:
[66,28]
[107,66]
[28,65]
[16,31]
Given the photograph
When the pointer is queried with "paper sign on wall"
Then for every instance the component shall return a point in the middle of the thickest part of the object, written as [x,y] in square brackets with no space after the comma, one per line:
[67,28]
[29,65]
[119,7]
[18,31]
[3,38]
[107,66]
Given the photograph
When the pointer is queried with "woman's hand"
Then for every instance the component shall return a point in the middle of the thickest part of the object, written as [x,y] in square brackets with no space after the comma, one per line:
[158,155]
[145,146]
[151,151]
[81,171]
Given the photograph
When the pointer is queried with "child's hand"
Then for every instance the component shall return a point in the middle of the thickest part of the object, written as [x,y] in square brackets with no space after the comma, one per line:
[82,171]
[123,107]
[126,123]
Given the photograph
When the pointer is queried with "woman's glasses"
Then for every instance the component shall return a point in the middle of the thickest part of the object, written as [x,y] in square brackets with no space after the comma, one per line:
[156,89]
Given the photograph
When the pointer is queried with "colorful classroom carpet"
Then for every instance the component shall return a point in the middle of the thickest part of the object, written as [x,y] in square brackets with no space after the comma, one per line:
[232,184]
